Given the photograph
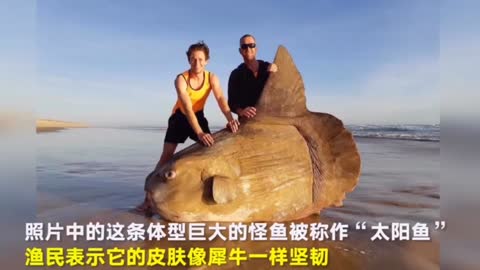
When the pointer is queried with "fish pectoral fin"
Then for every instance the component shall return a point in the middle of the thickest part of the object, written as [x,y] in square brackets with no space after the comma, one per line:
[223,190]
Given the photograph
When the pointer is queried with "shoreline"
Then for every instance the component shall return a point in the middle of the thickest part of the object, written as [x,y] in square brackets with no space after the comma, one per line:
[48,129]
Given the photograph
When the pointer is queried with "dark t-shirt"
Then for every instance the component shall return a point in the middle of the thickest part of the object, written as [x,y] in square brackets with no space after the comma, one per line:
[243,88]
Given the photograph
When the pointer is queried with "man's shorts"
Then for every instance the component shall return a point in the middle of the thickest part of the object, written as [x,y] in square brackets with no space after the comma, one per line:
[179,129]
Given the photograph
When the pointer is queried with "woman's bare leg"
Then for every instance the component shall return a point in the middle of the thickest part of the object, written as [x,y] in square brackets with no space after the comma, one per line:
[167,154]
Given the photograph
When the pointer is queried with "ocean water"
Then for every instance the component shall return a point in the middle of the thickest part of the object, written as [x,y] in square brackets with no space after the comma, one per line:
[98,174]
[399,132]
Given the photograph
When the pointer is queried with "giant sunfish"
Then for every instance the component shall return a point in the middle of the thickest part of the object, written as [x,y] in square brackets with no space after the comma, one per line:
[284,164]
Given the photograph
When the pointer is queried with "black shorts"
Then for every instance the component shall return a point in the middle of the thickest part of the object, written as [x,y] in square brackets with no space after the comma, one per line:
[179,129]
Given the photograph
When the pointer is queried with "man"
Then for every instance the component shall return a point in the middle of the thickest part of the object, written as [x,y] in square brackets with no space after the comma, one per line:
[246,82]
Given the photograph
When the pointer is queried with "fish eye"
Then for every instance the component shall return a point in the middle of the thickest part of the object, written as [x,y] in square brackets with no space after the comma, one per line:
[170,175]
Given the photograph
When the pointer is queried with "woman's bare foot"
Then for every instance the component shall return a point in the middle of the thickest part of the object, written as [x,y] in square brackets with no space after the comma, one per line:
[143,207]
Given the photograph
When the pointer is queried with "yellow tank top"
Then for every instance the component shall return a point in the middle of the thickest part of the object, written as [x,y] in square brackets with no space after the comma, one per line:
[197,96]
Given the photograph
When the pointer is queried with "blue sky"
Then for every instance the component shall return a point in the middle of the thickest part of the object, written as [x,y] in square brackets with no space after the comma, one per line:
[114,62]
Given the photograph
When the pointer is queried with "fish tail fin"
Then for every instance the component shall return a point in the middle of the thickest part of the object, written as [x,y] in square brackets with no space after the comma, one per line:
[335,158]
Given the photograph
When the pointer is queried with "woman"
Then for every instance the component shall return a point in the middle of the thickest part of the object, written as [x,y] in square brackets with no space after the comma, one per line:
[187,120]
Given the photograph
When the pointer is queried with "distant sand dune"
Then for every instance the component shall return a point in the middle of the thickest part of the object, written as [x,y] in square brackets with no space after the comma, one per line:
[55,123]
[44,125]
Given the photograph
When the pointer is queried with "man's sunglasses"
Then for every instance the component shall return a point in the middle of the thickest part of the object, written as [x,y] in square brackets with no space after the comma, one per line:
[248,45]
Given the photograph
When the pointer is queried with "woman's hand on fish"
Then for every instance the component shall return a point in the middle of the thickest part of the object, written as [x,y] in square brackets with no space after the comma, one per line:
[205,138]
[233,125]
[248,112]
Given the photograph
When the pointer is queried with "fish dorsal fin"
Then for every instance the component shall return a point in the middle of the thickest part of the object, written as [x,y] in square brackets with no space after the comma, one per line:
[284,92]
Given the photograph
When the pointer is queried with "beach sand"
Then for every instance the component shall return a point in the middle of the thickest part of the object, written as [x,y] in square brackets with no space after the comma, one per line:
[95,175]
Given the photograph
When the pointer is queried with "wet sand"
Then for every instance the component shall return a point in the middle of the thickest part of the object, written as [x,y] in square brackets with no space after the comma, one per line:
[399,183]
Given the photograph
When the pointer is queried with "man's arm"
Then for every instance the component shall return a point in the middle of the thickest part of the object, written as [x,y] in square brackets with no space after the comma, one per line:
[272,68]
[269,67]
[233,92]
